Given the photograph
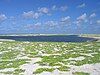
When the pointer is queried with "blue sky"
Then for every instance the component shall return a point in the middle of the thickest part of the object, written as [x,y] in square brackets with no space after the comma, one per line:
[50,16]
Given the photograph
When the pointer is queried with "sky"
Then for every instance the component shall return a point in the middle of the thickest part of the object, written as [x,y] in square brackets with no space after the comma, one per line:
[50,16]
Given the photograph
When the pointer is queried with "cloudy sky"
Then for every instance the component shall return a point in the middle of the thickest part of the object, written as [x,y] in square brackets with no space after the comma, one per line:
[50,16]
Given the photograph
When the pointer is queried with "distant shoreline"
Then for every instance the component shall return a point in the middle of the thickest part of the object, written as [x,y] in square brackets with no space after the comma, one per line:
[86,35]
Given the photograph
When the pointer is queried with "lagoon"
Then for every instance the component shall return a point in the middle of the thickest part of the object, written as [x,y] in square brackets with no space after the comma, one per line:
[48,38]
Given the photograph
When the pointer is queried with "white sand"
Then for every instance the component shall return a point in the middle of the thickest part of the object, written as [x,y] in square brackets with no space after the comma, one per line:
[6,70]
[6,40]
[30,67]
[77,59]
[92,69]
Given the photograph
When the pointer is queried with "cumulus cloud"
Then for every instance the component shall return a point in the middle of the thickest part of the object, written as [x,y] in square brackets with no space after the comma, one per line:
[28,14]
[63,8]
[91,18]
[51,23]
[43,10]
[2,17]
[81,5]
[92,15]
[66,20]
[81,19]
[36,15]
[35,25]
[31,14]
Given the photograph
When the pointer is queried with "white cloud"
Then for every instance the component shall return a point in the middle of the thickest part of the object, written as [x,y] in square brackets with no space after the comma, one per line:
[98,22]
[28,14]
[63,8]
[81,5]
[51,23]
[43,10]
[2,17]
[35,25]
[36,15]
[92,15]
[81,19]
[31,14]
[91,18]
[66,21]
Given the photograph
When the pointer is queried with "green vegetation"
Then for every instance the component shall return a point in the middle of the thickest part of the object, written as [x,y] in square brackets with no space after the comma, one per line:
[81,73]
[14,54]
[43,69]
